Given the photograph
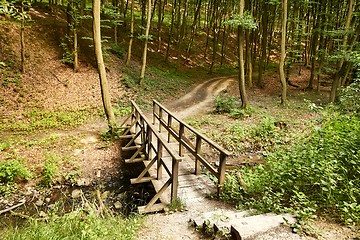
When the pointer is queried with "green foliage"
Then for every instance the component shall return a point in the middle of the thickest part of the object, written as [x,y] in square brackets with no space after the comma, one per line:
[13,170]
[225,104]
[75,225]
[246,21]
[117,50]
[68,55]
[319,174]
[50,169]
[111,135]
[349,99]
[37,119]
[228,104]
[177,205]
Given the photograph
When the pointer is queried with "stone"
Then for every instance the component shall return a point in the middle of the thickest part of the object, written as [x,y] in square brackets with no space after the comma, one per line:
[39,203]
[47,200]
[83,182]
[42,214]
[117,205]
[76,193]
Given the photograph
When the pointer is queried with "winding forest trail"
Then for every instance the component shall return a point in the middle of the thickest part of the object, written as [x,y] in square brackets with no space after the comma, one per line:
[200,99]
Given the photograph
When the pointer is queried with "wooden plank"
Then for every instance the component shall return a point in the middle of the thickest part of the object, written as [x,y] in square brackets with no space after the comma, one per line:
[127,136]
[130,148]
[154,208]
[135,160]
[142,180]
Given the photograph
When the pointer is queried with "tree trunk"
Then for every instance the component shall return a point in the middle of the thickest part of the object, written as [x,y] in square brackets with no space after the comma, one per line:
[22,39]
[131,34]
[76,59]
[143,67]
[282,57]
[337,79]
[264,37]
[170,31]
[243,96]
[101,66]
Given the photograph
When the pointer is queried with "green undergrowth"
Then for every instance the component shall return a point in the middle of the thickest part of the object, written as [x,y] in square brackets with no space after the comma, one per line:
[36,119]
[78,224]
[318,174]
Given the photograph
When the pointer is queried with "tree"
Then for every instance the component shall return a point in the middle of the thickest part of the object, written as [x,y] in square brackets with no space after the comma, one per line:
[132,23]
[337,81]
[143,66]
[101,66]
[283,53]
[243,96]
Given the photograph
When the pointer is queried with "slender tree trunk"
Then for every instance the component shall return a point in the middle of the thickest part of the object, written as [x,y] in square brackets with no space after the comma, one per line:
[143,67]
[337,79]
[101,66]
[243,96]
[249,59]
[282,57]
[264,37]
[128,59]
[22,39]
[76,58]
[193,27]
[170,31]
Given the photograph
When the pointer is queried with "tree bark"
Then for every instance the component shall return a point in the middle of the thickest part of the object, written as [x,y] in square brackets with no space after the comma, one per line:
[143,66]
[337,79]
[76,58]
[282,57]
[243,96]
[128,59]
[101,66]
[22,39]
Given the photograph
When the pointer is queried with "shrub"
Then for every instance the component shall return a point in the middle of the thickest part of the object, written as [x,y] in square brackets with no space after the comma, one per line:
[224,104]
[349,99]
[13,170]
[319,174]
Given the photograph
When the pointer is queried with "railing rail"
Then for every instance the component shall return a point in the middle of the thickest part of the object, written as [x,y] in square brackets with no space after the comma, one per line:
[177,129]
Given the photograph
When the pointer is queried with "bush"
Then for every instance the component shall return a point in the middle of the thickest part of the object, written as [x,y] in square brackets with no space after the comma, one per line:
[224,104]
[349,99]
[319,174]
[13,170]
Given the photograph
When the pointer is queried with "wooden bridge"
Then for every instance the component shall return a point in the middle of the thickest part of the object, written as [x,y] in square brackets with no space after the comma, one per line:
[173,153]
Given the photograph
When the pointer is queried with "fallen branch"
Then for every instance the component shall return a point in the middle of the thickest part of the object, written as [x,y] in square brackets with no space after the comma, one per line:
[22,202]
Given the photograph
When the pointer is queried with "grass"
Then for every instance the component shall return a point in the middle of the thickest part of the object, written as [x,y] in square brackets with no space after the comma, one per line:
[79,224]
[36,120]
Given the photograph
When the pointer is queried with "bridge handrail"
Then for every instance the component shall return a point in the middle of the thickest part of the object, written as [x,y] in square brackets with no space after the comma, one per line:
[195,149]
[192,129]
[157,134]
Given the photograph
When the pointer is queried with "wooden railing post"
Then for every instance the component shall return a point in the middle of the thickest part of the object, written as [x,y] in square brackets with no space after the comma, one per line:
[197,152]
[222,168]
[160,118]
[175,179]
[154,118]
[159,160]
[169,123]
[149,141]
[181,133]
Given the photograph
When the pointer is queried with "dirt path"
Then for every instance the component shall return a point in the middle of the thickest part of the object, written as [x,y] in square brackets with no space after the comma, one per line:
[200,99]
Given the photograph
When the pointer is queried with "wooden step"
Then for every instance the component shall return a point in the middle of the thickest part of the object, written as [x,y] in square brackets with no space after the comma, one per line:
[144,179]
[135,160]
[157,207]
[127,136]
[130,148]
